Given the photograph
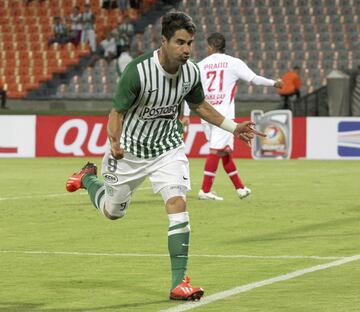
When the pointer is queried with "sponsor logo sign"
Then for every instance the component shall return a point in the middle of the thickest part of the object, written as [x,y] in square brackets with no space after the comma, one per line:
[277,125]
[86,136]
[110,178]
[17,136]
[166,112]
[71,136]
[196,144]
[333,138]
[349,138]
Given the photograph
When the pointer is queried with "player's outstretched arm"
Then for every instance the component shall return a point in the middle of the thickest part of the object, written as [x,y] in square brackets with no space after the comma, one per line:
[245,73]
[245,131]
[209,114]
[114,129]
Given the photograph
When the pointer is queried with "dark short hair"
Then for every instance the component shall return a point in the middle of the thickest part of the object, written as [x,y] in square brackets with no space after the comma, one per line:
[217,42]
[173,21]
[296,68]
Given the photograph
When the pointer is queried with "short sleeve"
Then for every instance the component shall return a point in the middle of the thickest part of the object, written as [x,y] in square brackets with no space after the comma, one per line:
[128,88]
[196,94]
[242,71]
[186,110]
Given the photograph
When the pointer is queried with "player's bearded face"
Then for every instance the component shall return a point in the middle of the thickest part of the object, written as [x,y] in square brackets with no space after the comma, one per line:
[178,48]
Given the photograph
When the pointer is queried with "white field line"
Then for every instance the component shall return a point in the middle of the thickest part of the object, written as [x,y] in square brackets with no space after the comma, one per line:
[97,254]
[251,286]
[52,195]
[38,196]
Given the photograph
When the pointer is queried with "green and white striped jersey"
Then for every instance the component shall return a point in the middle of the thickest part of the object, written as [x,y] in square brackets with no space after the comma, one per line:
[152,99]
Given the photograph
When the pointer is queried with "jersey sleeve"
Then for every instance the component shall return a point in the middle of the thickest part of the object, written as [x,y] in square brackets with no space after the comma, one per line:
[186,111]
[128,89]
[262,81]
[242,71]
[196,94]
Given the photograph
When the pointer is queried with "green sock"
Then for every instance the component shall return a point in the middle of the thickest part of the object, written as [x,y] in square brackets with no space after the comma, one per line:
[94,187]
[178,244]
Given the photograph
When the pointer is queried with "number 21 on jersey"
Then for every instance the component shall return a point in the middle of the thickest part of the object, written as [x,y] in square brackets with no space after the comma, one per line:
[212,76]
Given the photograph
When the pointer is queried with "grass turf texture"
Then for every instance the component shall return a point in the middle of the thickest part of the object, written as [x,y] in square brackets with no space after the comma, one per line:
[297,208]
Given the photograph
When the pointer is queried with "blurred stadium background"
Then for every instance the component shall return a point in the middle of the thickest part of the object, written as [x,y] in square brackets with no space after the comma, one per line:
[271,36]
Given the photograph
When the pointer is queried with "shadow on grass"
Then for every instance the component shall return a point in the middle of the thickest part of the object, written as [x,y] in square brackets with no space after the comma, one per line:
[29,307]
[149,294]
[115,307]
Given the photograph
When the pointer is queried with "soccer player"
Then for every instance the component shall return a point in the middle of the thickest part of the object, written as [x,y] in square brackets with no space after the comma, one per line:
[219,75]
[146,140]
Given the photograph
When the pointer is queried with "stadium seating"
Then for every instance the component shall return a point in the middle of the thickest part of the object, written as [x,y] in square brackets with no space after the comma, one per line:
[25,28]
[97,82]
[269,35]
[26,61]
[272,36]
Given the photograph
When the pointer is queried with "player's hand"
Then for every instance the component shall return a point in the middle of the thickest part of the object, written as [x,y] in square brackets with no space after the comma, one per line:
[185,120]
[278,83]
[245,131]
[116,151]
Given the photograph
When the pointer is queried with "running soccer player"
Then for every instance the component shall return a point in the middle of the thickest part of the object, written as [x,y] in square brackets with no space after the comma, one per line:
[146,140]
[219,75]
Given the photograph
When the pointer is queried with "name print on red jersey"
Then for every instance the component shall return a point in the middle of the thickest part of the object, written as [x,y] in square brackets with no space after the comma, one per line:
[219,65]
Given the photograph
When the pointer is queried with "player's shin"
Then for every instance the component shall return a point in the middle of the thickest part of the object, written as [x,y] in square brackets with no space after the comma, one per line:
[230,168]
[178,244]
[211,165]
[95,189]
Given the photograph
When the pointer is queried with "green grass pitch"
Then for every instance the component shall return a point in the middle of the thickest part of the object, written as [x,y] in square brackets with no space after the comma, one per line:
[82,262]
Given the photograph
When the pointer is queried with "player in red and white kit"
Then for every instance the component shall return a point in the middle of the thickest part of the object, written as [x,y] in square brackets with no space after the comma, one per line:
[219,75]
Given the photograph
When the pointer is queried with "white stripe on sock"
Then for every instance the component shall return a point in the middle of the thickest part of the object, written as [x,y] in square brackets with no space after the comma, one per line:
[232,173]
[185,229]
[97,196]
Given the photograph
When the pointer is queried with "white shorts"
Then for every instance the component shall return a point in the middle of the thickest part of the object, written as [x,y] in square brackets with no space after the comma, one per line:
[122,177]
[218,138]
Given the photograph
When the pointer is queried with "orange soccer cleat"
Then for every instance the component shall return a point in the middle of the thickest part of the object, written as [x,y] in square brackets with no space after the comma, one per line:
[74,183]
[185,291]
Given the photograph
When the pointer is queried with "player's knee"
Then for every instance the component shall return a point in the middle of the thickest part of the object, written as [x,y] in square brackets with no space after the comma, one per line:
[170,191]
[174,197]
[223,153]
[111,217]
[176,204]
[114,211]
